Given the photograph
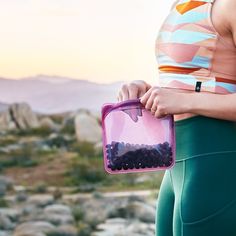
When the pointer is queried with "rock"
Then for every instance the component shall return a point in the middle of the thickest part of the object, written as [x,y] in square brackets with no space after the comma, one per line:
[19,188]
[59,219]
[65,230]
[142,211]
[5,223]
[134,210]
[57,140]
[37,228]
[12,214]
[31,210]
[30,233]
[23,117]
[3,190]
[87,127]
[58,209]
[41,200]
[123,227]
[141,228]
[18,116]
[98,148]
[143,178]
[5,233]
[6,183]
[6,122]
[68,124]
[21,196]
[116,226]
[59,214]
[48,123]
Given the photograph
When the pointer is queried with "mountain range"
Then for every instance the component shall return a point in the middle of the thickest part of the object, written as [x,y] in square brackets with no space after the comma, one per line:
[54,94]
[3,106]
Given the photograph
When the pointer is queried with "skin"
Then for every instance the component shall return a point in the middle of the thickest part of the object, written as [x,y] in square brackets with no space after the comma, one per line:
[183,104]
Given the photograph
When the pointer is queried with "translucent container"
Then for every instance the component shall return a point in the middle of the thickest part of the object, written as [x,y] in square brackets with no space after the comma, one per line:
[134,140]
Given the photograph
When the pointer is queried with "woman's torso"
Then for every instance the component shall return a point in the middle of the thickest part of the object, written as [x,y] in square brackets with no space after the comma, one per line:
[195,50]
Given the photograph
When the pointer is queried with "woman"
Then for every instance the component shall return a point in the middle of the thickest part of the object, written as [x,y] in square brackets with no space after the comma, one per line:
[196,54]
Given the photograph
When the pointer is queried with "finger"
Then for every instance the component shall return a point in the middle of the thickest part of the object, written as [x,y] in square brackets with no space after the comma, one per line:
[158,114]
[154,106]
[150,101]
[119,97]
[133,92]
[145,97]
[141,93]
[125,92]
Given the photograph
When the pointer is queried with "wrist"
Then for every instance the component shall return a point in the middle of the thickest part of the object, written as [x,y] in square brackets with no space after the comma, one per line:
[188,102]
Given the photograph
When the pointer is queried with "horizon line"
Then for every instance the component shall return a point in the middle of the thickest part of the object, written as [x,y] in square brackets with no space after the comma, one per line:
[59,76]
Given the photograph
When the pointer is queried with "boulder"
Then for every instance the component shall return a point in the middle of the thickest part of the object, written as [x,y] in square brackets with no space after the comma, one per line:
[58,214]
[58,209]
[123,227]
[23,116]
[134,210]
[111,226]
[65,230]
[10,213]
[59,219]
[41,200]
[37,228]
[98,148]
[6,183]
[6,122]
[142,211]
[48,123]
[5,222]
[5,233]
[18,116]
[87,127]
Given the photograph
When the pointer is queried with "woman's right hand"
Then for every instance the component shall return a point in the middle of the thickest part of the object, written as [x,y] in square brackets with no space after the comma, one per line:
[133,90]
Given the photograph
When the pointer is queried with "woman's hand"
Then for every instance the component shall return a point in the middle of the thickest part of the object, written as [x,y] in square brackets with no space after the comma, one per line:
[163,101]
[133,90]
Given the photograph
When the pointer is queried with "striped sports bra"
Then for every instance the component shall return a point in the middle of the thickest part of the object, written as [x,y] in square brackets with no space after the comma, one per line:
[190,52]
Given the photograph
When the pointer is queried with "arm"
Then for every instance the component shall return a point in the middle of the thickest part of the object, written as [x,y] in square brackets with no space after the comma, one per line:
[212,105]
[165,101]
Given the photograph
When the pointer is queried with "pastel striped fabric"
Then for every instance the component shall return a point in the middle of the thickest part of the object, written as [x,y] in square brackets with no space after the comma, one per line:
[185,49]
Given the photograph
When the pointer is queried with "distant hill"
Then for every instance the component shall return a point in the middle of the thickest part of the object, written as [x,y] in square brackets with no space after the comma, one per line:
[54,94]
[3,106]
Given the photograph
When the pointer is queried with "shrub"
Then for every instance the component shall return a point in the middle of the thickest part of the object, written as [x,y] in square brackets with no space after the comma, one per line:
[22,157]
[85,149]
[3,203]
[85,170]
[40,188]
[78,213]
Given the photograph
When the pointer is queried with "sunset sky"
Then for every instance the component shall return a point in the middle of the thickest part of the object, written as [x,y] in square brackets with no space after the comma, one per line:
[97,40]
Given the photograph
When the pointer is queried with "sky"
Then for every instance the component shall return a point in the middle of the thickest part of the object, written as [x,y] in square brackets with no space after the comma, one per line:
[96,40]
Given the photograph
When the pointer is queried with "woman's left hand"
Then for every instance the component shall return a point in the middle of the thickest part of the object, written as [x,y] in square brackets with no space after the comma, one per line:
[164,101]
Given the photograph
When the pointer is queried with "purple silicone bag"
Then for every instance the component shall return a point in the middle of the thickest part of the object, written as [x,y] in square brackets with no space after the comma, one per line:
[134,140]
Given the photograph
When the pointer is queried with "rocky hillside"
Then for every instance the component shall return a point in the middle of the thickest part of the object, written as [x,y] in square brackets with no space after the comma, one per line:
[53,183]
[48,94]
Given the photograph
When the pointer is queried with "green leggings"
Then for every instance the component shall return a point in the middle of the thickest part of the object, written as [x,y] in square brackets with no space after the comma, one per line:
[198,195]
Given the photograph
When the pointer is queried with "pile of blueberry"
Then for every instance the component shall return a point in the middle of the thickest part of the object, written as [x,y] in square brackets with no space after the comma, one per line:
[123,156]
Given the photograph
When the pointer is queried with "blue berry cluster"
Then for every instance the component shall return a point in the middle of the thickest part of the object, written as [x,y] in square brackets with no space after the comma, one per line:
[138,157]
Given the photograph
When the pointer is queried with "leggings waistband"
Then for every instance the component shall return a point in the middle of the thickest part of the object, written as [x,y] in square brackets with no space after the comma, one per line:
[200,135]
